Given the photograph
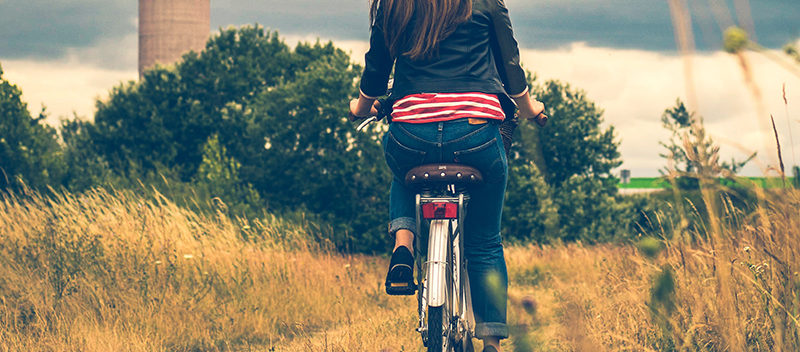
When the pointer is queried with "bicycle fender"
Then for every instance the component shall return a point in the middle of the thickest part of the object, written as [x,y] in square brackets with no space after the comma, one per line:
[437,262]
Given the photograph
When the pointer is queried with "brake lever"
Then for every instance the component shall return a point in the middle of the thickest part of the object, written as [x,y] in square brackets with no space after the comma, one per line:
[366,122]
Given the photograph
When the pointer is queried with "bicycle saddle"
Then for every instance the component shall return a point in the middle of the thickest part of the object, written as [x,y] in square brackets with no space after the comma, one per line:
[444,173]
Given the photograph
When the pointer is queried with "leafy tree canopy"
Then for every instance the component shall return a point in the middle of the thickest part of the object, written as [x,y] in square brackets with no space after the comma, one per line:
[560,184]
[29,148]
[249,110]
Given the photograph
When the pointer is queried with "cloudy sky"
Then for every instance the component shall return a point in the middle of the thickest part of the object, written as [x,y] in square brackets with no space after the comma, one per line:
[67,54]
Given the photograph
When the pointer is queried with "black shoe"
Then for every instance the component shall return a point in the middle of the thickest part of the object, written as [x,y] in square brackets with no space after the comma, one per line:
[400,278]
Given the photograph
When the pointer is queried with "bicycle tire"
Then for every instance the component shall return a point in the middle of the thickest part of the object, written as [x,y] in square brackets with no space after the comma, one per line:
[464,344]
[435,329]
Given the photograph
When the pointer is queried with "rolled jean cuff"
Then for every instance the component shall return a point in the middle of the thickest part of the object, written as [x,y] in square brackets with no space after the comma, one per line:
[407,223]
[484,330]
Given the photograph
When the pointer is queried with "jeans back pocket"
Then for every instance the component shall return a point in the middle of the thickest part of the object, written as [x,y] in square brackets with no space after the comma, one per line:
[488,158]
[399,157]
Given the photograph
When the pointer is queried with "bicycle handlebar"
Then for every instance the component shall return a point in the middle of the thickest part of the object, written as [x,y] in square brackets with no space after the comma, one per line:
[366,122]
[384,111]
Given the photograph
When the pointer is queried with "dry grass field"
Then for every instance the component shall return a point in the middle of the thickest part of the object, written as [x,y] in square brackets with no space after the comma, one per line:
[114,271]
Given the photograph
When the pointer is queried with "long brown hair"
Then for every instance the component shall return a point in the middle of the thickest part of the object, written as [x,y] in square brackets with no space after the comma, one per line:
[434,21]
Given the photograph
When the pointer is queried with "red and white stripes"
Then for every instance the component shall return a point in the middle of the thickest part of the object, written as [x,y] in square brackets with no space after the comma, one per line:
[436,107]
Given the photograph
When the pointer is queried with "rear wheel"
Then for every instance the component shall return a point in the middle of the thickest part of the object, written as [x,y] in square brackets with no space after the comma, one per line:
[439,317]
[436,323]
[441,325]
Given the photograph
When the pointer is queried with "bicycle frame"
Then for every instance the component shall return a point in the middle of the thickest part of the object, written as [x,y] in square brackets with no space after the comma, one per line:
[445,282]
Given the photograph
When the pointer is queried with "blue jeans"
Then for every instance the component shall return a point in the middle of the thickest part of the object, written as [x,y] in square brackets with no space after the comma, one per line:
[480,146]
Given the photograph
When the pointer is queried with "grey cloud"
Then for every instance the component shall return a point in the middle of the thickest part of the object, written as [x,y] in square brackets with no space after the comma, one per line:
[334,19]
[634,24]
[118,53]
[42,29]
[625,24]
[643,24]
[46,29]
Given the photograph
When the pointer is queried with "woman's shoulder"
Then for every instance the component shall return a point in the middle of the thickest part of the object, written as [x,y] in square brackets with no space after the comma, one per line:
[488,7]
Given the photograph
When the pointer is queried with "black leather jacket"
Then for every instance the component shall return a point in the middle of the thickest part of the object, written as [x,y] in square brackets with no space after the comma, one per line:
[480,56]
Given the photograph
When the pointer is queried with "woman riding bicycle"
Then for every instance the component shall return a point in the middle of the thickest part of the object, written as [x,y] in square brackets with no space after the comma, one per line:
[456,69]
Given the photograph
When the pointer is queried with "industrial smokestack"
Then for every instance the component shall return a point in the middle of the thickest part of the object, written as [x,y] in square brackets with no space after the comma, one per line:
[170,28]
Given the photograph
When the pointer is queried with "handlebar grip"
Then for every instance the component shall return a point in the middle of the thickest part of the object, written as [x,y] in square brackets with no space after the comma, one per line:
[541,120]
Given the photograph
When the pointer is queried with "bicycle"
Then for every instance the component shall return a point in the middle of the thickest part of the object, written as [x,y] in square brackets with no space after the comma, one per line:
[446,321]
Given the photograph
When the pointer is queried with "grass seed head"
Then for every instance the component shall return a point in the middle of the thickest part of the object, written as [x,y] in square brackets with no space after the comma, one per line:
[650,246]
[735,40]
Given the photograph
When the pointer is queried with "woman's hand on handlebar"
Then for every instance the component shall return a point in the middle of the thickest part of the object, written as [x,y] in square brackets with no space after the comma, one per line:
[540,118]
[363,107]
[531,109]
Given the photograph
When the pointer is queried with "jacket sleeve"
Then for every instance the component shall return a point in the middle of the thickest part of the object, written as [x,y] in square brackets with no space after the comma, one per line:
[508,51]
[378,63]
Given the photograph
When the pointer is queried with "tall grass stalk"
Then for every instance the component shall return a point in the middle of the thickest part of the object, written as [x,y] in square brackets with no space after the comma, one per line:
[788,124]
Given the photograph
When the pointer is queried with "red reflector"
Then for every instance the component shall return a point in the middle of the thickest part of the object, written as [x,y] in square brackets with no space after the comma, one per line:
[440,210]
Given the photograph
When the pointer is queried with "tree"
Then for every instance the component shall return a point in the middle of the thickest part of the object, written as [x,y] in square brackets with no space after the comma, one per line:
[574,143]
[84,166]
[560,184]
[278,116]
[165,119]
[218,177]
[305,155]
[529,212]
[691,153]
[29,148]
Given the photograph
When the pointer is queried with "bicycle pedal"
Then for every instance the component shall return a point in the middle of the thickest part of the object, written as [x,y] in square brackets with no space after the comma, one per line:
[401,289]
